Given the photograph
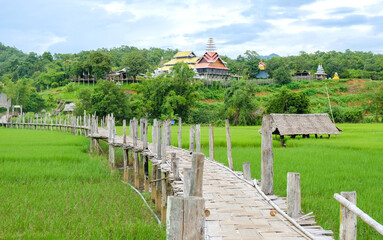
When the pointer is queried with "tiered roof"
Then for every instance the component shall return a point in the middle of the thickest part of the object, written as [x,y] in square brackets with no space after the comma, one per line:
[211,60]
[320,70]
[187,57]
[261,66]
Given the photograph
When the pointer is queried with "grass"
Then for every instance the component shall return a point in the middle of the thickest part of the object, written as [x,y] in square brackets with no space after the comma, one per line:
[351,161]
[51,189]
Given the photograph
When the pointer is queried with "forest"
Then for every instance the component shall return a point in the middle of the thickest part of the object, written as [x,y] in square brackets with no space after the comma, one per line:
[39,81]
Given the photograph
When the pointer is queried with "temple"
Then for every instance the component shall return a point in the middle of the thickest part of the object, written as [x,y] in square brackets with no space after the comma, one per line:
[211,66]
[320,74]
[187,57]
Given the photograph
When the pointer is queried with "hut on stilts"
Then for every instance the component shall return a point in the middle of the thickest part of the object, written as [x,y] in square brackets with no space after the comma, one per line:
[302,124]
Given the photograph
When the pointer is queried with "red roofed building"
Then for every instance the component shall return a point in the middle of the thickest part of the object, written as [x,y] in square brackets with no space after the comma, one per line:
[211,66]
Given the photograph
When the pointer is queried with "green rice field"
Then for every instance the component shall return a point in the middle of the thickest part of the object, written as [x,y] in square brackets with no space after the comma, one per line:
[51,189]
[347,162]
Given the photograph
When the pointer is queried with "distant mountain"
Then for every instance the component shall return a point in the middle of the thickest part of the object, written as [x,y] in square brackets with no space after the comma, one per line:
[269,56]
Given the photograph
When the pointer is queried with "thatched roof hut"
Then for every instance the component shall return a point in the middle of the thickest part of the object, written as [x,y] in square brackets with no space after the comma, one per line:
[302,124]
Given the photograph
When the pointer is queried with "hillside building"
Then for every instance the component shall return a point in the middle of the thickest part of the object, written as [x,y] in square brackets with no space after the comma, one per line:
[187,57]
[320,74]
[262,71]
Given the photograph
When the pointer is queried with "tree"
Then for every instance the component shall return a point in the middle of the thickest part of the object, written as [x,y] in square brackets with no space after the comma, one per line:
[170,96]
[379,102]
[99,63]
[287,101]
[135,63]
[35,103]
[282,75]
[241,105]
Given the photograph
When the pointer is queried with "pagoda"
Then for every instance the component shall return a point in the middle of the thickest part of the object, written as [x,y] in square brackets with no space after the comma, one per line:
[320,74]
[211,66]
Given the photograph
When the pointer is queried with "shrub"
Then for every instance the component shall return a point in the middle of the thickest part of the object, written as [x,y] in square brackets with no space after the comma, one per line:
[54,85]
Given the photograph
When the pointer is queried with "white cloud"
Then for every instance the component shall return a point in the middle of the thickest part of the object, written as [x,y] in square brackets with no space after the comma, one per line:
[324,9]
[49,41]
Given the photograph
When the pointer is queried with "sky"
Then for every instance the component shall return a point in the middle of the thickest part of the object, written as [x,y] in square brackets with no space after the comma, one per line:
[264,26]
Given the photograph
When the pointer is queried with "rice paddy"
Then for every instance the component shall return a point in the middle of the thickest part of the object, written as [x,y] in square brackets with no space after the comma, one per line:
[51,189]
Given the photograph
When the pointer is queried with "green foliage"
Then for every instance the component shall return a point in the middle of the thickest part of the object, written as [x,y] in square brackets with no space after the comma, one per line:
[287,101]
[282,75]
[35,103]
[378,101]
[105,98]
[99,63]
[170,96]
[135,63]
[241,105]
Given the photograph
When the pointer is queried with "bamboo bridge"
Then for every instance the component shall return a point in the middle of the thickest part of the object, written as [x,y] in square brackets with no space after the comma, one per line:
[197,197]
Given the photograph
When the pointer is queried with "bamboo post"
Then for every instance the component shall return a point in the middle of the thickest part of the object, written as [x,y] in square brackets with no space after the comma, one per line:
[192,138]
[174,218]
[185,218]
[228,140]
[158,188]
[158,140]
[246,171]
[211,142]
[293,194]
[125,159]
[164,195]
[187,172]
[194,218]
[111,146]
[198,138]
[154,136]
[146,173]
[164,141]
[267,156]
[348,224]
[179,132]
[136,170]
[124,132]
[153,184]
[169,133]
[145,135]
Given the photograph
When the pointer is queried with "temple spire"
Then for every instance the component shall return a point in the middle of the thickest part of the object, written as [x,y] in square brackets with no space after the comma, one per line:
[210,46]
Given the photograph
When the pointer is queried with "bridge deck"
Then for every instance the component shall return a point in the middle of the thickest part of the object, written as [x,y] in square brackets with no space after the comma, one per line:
[237,210]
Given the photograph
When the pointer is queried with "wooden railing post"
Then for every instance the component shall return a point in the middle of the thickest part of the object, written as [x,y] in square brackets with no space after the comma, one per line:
[228,140]
[179,132]
[246,171]
[192,138]
[198,138]
[348,224]
[154,136]
[211,142]
[158,140]
[111,142]
[191,208]
[267,173]
[293,194]
[164,141]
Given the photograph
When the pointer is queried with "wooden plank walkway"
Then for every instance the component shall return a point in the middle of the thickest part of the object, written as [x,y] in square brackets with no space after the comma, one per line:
[237,209]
